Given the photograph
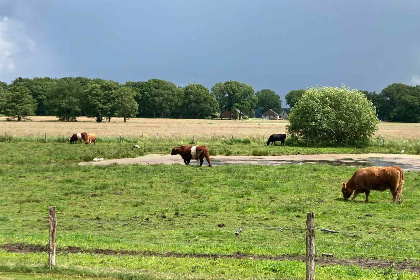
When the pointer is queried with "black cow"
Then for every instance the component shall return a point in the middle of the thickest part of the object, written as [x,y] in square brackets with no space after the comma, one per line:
[276,137]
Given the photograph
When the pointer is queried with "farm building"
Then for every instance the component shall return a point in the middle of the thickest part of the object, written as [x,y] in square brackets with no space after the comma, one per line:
[234,114]
[270,115]
[284,115]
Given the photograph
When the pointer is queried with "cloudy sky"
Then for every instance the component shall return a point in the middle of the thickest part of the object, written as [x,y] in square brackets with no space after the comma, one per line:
[276,44]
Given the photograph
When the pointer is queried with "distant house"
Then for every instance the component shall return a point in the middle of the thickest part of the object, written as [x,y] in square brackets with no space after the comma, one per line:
[284,115]
[226,114]
[270,115]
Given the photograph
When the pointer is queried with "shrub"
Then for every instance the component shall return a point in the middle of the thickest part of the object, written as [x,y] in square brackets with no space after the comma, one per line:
[332,115]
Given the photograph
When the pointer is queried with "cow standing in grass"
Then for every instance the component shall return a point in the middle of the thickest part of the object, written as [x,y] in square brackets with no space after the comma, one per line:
[77,137]
[276,137]
[189,152]
[375,178]
[89,138]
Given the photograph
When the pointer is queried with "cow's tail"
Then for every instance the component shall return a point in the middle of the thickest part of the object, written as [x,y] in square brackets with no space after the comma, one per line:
[400,185]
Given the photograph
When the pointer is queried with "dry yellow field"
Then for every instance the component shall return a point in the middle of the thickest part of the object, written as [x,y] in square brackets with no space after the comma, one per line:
[203,128]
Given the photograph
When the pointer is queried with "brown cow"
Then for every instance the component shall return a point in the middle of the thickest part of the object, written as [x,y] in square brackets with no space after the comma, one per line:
[375,178]
[77,136]
[189,152]
[89,138]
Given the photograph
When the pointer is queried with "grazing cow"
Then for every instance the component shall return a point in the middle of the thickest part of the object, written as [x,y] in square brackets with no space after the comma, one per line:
[189,152]
[77,137]
[375,178]
[89,138]
[276,137]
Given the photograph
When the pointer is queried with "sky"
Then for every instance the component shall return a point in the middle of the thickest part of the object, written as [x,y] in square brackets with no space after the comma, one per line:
[281,45]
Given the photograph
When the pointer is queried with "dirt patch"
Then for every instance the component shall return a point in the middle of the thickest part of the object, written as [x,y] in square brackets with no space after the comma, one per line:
[365,263]
[407,162]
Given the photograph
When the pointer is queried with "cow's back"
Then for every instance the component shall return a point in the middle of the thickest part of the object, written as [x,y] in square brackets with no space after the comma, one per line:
[376,178]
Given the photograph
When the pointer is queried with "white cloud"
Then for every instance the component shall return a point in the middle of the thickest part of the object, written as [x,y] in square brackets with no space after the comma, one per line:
[20,55]
[6,46]
[415,80]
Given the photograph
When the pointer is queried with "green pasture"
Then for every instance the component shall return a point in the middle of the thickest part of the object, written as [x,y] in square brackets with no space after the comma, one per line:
[179,221]
[54,149]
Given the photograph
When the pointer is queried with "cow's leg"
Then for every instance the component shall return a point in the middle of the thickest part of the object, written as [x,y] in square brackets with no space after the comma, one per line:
[356,192]
[367,196]
[208,161]
[399,193]
[394,195]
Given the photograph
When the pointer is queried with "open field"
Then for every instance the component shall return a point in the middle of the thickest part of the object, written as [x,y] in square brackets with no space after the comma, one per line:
[200,128]
[178,222]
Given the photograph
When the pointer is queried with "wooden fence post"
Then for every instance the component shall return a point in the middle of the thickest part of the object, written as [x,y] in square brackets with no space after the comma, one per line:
[53,236]
[310,247]
[45,138]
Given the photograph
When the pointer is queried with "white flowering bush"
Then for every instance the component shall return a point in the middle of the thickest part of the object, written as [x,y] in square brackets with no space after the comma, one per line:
[332,115]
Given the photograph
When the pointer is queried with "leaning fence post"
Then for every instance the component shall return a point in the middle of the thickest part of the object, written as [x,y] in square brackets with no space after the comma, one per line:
[310,247]
[53,236]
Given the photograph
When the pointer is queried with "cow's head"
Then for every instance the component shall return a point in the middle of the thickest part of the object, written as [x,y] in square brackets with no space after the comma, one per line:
[84,136]
[346,191]
[176,151]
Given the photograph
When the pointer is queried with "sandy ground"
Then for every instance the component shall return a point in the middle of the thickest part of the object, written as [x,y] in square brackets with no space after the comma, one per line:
[407,162]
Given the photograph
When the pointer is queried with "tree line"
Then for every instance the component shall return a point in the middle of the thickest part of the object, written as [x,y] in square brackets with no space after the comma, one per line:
[396,103]
[70,97]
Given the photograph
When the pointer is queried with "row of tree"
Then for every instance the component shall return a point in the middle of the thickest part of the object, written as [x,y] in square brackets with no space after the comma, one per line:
[397,102]
[67,98]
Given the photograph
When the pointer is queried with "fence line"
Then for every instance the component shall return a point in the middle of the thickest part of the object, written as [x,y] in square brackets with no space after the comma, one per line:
[310,258]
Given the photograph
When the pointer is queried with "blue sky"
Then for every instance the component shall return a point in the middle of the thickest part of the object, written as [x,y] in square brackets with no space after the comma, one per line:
[279,44]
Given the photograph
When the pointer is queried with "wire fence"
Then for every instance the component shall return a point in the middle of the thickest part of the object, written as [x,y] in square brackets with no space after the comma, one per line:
[273,242]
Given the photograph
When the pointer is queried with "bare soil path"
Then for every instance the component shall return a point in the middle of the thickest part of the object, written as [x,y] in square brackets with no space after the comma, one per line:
[407,162]
[365,263]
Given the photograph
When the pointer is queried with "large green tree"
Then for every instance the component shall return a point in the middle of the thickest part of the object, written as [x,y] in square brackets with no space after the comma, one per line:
[402,103]
[161,98]
[3,86]
[293,97]
[100,99]
[233,95]
[140,88]
[64,99]
[198,102]
[333,115]
[38,88]
[17,102]
[218,91]
[126,105]
[268,99]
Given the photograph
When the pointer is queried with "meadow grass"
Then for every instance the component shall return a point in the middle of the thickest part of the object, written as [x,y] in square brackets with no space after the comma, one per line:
[188,210]
[116,147]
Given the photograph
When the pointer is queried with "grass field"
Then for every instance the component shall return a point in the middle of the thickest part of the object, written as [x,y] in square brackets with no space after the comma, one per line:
[199,128]
[179,222]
